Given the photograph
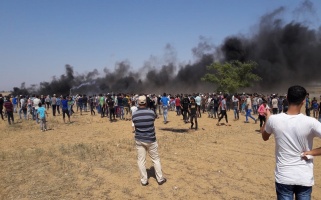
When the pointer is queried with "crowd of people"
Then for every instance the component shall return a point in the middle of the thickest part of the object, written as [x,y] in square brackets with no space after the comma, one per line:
[120,106]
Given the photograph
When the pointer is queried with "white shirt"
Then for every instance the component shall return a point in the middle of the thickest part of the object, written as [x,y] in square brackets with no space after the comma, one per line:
[274,103]
[293,135]
[36,102]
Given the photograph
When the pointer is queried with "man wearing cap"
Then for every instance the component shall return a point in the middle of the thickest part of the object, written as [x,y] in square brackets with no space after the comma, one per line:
[145,140]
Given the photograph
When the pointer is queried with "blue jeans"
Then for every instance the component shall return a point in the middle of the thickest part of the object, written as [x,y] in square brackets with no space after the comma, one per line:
[236,113]
[248,114]
[165,109]
[286,192]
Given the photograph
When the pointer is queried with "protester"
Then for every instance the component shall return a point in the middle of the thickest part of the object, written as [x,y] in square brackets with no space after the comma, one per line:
[133,109]
[145,140]
[293,133]
[249,109]
[262,112]
[54,104]
[184,107]
[307,105]
[111,106]
[315,107]
[193,111]
[223,112]
[9,110]
[35,104]
[164,102]
[64,107]
[236,105]
[198,100]
[58,104]
[41,115]
[1,106]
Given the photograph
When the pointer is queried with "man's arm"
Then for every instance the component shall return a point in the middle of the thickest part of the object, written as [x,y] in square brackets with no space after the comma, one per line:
[314,152]
[266,135]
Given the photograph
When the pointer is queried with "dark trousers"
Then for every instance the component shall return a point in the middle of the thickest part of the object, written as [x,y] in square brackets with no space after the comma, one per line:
[53,110]
[58,109]
[92,110]
[102,108]
[111,113]
[307,111]
[10,117]
[193,117]
[185,113]
[1,113]
[223,114]
[262,120]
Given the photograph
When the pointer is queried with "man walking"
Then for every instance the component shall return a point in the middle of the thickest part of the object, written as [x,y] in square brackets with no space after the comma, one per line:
[164,101]
[293,133]
[145,137]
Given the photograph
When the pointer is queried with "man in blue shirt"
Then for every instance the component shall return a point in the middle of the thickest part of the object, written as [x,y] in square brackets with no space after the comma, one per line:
[64,104]
[164,102]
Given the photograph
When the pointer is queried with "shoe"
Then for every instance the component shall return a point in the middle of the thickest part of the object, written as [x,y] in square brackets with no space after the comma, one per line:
[162,182]
[144,184]
[256,121]
[246,122]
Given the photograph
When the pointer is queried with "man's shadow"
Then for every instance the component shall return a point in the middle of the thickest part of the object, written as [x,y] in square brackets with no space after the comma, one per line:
[151,173]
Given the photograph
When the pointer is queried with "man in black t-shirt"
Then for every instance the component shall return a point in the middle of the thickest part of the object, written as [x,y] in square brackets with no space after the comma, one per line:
[184,106]
[192,107]
[111,105]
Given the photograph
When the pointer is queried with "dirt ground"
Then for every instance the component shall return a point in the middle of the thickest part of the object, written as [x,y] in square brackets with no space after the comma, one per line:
[92,158]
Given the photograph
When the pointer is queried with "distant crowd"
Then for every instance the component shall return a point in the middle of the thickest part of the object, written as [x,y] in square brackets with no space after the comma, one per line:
[121,106]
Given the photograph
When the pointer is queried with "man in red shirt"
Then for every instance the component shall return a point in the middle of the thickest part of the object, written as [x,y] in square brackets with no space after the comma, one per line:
[9,109]
[178,105]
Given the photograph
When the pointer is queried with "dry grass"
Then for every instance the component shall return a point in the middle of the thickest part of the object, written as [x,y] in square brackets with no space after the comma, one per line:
[94,159]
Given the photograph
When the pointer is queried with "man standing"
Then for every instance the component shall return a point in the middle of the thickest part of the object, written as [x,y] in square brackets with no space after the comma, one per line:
[1,106]
[53,104]
[274,105]
[145,137]
[36,102]
[184,106]
[223,111]
[198,100]
[249,110]
[164,101]
[293,133]
[307,105]
[9,108]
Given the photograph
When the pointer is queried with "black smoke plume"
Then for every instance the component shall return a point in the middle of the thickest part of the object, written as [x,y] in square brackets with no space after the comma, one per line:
[287,53]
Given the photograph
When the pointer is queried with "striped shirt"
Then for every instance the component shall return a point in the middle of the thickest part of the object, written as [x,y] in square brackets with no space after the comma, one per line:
[143,120]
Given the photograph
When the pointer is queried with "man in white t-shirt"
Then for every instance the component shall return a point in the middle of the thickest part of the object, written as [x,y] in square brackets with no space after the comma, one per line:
[249,109]
[274,105]
[36,102]
[294,133]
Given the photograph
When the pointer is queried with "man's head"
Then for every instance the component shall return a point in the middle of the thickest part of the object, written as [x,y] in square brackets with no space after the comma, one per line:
[296,94]
[142,100]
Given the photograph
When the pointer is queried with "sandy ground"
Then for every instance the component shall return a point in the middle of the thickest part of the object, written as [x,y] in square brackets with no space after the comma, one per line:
[92,158]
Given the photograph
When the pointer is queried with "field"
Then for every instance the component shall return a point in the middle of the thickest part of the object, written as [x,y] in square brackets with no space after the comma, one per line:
[92,158]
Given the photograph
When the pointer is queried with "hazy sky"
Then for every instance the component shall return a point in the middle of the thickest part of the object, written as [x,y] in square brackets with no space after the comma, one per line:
[39,37]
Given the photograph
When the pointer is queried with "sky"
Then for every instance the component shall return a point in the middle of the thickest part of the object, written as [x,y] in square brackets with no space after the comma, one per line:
[39,37]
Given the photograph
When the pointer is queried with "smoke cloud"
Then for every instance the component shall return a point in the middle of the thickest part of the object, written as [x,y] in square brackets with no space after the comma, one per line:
[287,53]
